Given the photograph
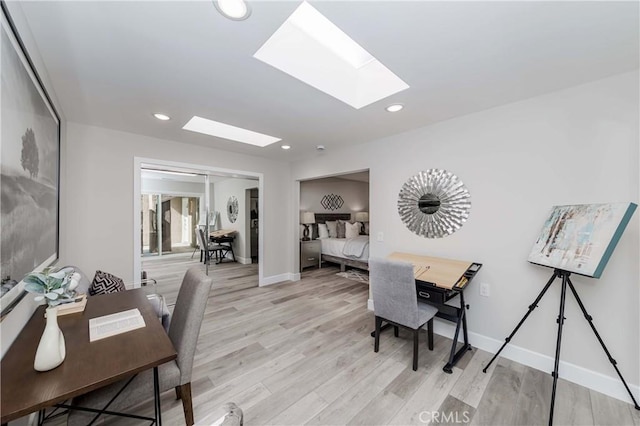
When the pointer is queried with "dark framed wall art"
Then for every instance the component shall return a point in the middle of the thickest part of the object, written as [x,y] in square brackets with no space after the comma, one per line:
[29,168]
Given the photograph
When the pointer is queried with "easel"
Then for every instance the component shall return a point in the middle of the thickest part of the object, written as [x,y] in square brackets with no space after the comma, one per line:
[559,273]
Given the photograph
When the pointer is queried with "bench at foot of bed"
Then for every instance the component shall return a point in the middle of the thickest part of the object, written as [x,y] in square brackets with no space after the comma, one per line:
[344,262]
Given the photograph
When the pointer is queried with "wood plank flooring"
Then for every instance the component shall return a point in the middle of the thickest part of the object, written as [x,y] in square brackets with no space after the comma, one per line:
[300,353]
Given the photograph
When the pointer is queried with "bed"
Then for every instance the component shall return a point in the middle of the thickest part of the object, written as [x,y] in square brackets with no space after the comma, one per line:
[342,251]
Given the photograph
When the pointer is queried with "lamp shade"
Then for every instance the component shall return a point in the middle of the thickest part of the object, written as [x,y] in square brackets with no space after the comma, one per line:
[308,217]
[362,217]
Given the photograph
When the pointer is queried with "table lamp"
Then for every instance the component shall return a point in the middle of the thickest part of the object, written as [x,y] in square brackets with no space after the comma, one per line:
[362,217]
[307,219]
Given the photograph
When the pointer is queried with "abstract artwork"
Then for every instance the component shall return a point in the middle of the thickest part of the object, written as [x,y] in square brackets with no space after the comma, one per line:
[29,161]
[581,238]
[332,202]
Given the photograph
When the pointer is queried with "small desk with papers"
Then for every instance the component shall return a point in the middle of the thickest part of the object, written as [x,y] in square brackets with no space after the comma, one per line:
[88,365]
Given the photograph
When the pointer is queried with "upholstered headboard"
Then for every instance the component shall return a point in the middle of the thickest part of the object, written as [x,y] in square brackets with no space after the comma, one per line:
[324,217]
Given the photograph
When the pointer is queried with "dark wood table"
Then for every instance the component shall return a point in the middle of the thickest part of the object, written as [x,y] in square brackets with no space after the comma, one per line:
[87,366]
[224,238]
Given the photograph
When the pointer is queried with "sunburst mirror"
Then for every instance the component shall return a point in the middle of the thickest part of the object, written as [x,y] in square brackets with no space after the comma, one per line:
[232,209]
[434,203]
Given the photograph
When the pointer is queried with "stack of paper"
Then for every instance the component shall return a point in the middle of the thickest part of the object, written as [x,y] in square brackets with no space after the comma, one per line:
[111,325]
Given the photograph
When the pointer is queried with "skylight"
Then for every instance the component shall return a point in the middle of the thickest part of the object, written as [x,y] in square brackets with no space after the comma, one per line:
[226,131]
[312,49]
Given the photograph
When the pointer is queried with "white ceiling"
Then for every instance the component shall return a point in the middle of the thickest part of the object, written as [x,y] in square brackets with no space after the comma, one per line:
[112,64]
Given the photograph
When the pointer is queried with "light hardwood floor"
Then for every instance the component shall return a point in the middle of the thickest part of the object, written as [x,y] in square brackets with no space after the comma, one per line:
[300,353]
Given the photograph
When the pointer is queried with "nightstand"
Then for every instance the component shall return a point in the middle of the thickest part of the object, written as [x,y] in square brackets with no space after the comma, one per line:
[309,254]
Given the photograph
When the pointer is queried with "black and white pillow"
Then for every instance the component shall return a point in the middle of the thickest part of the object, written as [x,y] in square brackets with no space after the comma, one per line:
[105,283]
[340,229]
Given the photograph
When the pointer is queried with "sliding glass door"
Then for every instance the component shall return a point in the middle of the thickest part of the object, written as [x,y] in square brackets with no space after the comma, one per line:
[168,223]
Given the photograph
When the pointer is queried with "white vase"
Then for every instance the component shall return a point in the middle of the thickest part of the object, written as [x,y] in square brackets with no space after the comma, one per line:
[51,349]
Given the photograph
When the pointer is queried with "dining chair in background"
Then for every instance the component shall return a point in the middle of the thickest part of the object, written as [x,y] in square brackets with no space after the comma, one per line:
[212,249]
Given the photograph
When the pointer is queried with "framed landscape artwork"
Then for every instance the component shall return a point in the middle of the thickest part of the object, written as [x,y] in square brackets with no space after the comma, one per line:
[581,238]
[29,168]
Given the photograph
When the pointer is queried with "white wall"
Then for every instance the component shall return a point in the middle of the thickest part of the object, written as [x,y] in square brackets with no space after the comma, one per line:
[100,197]
[222,192]
[578,145]
[355,195]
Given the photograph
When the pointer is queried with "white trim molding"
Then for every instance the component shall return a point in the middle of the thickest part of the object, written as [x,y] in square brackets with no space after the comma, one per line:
[611,386]
[275,279]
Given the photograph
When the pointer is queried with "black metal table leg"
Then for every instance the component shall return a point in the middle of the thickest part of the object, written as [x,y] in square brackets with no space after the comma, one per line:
[461,323]
[156,396]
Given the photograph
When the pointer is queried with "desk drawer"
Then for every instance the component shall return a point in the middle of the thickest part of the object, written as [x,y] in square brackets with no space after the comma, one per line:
[432,294]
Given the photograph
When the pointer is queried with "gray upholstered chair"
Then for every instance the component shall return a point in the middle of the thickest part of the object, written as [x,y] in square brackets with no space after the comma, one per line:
[395,301]
[183,332]
[211,248]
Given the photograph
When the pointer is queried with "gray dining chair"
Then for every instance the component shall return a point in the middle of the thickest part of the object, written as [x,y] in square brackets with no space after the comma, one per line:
[183,332]
[210,249]
[393,287]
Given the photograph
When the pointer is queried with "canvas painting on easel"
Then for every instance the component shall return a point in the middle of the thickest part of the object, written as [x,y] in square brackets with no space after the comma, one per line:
[581,238]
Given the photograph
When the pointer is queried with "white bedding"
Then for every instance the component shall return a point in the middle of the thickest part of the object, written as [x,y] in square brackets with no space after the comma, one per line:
[335,246]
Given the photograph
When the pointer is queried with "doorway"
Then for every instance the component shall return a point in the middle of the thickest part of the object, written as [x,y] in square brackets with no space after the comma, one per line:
[181,208]
[253,198]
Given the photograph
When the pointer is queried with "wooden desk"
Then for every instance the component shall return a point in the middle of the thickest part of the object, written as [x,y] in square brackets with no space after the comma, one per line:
[87,366]
[439,280]
[224,238]
[222,233]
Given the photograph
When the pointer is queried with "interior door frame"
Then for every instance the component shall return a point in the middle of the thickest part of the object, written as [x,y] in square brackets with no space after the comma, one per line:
[139,162]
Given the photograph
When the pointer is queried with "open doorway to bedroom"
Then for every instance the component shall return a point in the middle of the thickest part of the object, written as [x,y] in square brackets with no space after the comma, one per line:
[334,224]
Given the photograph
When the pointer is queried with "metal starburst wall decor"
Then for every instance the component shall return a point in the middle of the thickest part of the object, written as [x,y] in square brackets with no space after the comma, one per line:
[434,203]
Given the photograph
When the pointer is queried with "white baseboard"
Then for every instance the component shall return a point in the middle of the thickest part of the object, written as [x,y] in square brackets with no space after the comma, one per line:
[611,386]
[244,260]
[279,278]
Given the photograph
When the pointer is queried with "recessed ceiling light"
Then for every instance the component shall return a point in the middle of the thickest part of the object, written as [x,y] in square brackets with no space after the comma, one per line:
[237,10]
[311,48]
[226,131]
[395,107]
[163,117]
[286,147]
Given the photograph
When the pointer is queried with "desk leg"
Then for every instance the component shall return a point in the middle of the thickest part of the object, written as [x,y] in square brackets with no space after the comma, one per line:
[454,356]
[156,396]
